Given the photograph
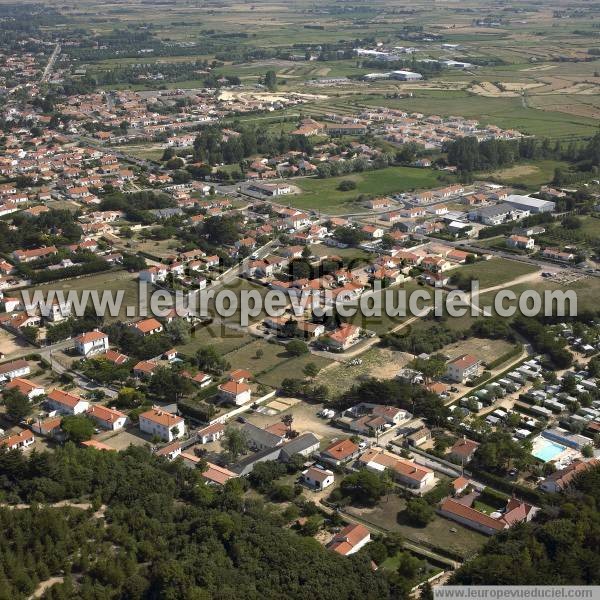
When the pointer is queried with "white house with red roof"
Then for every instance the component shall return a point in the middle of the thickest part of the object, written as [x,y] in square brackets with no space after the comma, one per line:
[18,441]
[463,368]
[92,342]
[340,452]
[66,403]
[350,539]
[238,393]
[108,418]
[26,387]
[147,327]
[162,424]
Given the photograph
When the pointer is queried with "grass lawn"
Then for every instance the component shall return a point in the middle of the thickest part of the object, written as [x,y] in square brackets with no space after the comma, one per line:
[496,271]
[587,290]
[223,338]
[148,151]
[440,532]
[323,195]
[291,367]
[111,281]
[274,363]
[531,174]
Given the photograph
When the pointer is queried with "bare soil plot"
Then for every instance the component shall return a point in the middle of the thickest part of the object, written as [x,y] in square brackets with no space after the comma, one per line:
[485,350]
[376,362]
[10,343]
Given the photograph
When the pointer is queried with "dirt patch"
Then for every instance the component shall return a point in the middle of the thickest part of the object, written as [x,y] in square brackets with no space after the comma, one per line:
[376,362]
[9,343]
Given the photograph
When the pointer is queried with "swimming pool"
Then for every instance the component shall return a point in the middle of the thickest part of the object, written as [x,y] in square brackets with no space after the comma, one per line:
[546,450]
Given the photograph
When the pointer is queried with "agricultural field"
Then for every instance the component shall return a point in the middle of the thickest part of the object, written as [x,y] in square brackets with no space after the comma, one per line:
[323,194]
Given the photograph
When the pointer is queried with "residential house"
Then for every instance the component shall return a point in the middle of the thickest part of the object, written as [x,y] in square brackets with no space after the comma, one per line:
[26,387]
[25,256]
[350,539]
[15,368]
[462,511]
[562,479]
[462,368]
[217,475]
[463,450]
[66,403]
[343,337]
[18,441]
[340,452]
[144,369]
[318,479]
[153,274]
[160,423]
[210,433]
[404,471]
[170,451]
[521,242]
[107,418]
[147,327]
[90,343]
[234,392]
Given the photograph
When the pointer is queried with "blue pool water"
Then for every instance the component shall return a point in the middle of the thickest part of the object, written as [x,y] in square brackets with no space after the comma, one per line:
[547,450]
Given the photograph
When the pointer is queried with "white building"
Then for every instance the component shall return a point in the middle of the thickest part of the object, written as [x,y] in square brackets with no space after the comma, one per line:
[16,368]
[162,424]
[463,368]
[318,479]
[92,342]
[65,403]
[107,418]
[235,392]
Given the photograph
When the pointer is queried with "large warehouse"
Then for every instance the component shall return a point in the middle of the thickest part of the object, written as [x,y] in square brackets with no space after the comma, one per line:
[534,205]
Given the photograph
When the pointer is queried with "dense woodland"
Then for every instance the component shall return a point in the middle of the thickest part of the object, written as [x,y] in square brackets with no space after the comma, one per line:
[167,535]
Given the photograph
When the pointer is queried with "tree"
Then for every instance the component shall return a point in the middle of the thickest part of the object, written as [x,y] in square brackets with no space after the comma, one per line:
[179,331]
[290,329]
[30,333]
[365,487]
[311,370]
[17,404]
[346,185]
[498,451]
[168,384]
[78,428]
[209,359]
[271,80]
[235,441]
[287,420]
[297,348]
[129,398]
[419,511]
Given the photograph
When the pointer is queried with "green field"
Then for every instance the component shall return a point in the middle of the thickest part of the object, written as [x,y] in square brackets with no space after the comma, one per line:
[496,271]
[531,174]
[508,113]
[323,195]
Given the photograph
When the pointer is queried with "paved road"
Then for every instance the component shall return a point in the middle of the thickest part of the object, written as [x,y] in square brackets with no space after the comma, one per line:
[50,65]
